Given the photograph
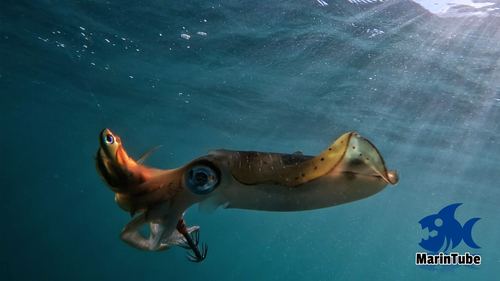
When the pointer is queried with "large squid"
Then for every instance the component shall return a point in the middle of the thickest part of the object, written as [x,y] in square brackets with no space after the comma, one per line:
[348,170]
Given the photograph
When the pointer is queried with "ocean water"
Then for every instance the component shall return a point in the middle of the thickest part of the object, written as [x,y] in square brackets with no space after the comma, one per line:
[421,80]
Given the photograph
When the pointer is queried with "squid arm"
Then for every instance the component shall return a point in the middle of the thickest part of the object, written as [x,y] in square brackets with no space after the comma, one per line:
[131,235]
[126,178]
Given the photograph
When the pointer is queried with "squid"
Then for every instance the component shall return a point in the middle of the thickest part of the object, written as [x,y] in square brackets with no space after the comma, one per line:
[350,169]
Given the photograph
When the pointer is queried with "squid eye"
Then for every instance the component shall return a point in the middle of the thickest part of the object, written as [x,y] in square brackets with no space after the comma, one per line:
[201,180]
[109,139]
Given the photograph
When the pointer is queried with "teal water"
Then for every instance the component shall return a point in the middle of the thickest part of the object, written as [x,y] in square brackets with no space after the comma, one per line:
[275,76]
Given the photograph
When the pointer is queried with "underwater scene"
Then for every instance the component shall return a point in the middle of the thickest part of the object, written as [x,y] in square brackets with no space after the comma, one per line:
[250,140]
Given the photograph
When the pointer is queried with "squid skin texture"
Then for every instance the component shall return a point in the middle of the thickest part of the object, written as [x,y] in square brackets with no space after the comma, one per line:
[292,170]
[348,170]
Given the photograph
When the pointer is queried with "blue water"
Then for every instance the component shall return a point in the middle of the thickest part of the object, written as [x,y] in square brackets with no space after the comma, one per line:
[268,75]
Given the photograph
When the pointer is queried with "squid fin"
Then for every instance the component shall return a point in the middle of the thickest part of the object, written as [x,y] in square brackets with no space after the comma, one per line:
[145,156]
[349,154]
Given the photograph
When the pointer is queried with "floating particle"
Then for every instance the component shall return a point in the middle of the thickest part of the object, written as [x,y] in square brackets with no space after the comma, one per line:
[185,36]
[322,3]
[201,33]
[374,32]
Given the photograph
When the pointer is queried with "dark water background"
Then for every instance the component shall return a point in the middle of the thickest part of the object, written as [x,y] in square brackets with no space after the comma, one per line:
[268,76]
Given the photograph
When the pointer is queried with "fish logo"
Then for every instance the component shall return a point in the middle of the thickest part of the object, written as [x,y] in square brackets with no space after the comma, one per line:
[448,229]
